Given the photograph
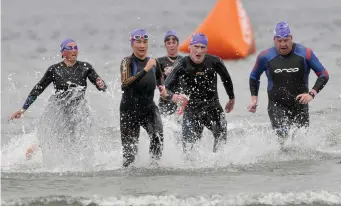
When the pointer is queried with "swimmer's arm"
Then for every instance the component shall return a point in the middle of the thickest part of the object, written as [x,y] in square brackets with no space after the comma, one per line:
[39,88]
[177,71]
[94,78]
[158,62]
[173,78]
[158,74]
[225,78]
[255,75]
[319,70]
[127,79]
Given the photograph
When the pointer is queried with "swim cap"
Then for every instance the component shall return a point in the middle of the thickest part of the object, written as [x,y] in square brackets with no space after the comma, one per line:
[199,38]
[138,34]
[282,30]
[64,43]
[171,33]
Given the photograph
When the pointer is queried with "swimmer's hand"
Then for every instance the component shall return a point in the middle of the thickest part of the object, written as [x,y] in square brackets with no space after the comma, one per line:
[31,151]
[253,105]
[168,70]
[100,83]
[179,98]
[229,106]
[17,114]
[304,98]
[150,64]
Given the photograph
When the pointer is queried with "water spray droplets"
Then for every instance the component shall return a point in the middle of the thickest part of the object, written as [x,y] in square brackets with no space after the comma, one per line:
[37,74]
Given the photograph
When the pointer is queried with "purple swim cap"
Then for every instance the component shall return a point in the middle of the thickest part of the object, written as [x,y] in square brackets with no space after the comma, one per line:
[138,34]
[282,30]
[199,38]
[171,33]
[64,43]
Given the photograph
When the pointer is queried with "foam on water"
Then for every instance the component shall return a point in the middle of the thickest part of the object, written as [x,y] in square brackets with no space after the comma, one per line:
[276,198]
[248,143]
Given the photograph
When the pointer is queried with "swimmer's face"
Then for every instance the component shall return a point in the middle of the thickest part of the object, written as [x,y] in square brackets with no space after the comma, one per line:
[140,48]
[70,51]
[197,52]
[283,45]
[172,46]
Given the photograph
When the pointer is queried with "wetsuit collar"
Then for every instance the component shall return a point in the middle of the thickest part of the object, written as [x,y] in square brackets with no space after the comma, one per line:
[173,58]
[63,64]
[138,59]
[290,53]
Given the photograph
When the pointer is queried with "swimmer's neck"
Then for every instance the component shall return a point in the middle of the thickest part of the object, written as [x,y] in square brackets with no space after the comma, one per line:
[69,63]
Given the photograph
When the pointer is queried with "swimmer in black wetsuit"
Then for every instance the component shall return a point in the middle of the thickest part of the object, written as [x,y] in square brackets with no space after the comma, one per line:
[287,66]
[199,73]
[140,76]
[171,41]
[64,75]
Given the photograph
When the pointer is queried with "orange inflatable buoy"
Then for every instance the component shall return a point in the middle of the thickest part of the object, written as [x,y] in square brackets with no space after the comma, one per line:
[228,30]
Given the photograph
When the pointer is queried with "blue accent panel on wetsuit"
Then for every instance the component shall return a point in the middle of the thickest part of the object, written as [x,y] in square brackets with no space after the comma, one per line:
[317,67]
[300,50]
[135,67]
[261,66]
[29,101]
[271,54]
[134,72]
[270,81]
[310,62]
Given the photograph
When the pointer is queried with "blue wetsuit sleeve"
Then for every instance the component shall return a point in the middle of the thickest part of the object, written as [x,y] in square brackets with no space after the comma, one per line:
[39,88]
[255,75]
[319,70]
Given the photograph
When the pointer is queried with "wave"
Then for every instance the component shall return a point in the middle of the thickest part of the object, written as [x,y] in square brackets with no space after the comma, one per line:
[270,198]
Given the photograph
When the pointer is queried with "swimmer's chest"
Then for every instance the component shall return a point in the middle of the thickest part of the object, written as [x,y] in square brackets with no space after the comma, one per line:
[76,75]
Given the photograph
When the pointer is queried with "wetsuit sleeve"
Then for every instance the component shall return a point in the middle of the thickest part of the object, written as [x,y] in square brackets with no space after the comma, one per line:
[319,70]
[158,73]
[92,75]
[255,75]
[39,88]
[225,78]
[126,78]
[173,77]
[159,62]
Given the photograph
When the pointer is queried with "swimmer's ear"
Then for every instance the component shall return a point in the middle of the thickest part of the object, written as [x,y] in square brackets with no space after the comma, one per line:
[63,54]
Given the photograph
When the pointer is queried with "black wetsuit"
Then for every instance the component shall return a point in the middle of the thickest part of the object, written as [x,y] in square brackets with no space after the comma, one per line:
[138,108]
[287,77]
[63,79]
[168,107]
[203,108]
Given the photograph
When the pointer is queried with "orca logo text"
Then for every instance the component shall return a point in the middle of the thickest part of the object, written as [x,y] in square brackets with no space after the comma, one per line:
[288,70]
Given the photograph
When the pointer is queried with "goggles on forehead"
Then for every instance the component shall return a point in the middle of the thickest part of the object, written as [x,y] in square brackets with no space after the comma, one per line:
[138,37]
[281,37]
[70,48]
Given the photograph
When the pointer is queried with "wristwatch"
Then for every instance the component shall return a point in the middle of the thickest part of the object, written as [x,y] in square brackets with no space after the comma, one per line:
[312,94]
